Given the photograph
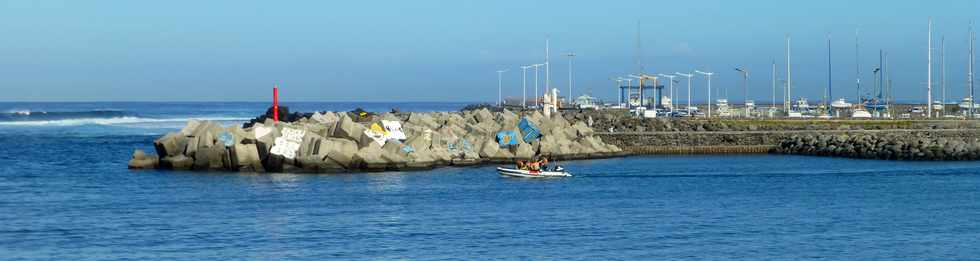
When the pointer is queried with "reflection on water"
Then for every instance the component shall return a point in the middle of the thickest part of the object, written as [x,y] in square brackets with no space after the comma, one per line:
[387,182]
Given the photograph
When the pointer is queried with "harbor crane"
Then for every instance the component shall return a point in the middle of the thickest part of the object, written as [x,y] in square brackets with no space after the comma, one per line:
[641,78]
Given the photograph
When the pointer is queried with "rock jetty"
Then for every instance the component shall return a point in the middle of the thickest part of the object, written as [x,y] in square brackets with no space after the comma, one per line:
[325,142]
[882,146]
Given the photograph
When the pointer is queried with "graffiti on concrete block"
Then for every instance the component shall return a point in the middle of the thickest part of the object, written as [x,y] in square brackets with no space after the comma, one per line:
[287,144]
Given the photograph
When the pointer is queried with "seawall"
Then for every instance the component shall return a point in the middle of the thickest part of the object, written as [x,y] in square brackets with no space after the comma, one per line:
[790,142]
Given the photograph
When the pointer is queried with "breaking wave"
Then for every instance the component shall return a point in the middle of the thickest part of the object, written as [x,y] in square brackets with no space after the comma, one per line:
[93,117]
[28,115]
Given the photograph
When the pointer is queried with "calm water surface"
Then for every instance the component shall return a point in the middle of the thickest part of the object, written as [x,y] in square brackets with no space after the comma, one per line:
[65,193]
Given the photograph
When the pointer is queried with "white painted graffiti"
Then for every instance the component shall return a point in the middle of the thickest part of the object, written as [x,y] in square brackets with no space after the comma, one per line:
[287,144]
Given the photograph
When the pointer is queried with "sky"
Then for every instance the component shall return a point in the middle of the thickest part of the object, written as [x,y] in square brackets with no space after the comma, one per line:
[450,50]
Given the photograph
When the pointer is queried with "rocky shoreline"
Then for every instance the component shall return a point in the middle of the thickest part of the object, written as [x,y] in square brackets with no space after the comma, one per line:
[330,142]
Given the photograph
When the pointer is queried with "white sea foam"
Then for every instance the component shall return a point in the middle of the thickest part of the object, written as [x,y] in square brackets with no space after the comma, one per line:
[128,120]
[20,112]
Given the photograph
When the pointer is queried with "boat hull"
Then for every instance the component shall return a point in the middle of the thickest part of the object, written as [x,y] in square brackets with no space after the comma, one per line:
[508,172]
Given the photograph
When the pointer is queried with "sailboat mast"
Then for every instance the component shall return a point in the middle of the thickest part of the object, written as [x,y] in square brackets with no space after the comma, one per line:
[857,63]
[830,84]
[929,73]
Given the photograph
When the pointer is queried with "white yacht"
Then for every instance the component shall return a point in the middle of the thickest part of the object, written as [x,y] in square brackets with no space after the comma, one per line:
[840,104]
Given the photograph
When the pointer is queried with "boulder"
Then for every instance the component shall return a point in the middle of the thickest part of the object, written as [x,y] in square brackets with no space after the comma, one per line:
[311,145]
[348,129]
[508,116]
[420,142]
[489,149]
[503,154]
[191,147]
[524,151]
[169,145]
[483,115]
[179,162]
[388,116]
[210,158]
[582,130]
[325,118]
[370,158]
[316,164]
[395,160]
[139,155]
[190,128]
[371,137]
[422,119]
[247,157]
[421,159]
[141,161]
[441,155]
[339,150]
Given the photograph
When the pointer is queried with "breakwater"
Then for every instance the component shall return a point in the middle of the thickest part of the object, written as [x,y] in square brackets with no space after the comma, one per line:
[888,146]
[782,142]
[362,141]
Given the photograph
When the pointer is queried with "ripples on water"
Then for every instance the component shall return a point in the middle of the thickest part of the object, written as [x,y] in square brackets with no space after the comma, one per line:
[66,195]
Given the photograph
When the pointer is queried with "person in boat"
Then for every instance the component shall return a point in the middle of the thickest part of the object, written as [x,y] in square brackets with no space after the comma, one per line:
[521,165]
[544,163]
[534,166]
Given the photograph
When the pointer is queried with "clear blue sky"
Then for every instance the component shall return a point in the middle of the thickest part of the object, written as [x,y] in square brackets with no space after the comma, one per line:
[450,50]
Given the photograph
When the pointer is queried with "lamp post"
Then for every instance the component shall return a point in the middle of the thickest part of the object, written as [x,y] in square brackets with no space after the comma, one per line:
[524,86]
[688,89]
[629,91]
[670,78]
[536,66]
[745,88]
[500,76]
[570,55]
[708,75]
[619,88]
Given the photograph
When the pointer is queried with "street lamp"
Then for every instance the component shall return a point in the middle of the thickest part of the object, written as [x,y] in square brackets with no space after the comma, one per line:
[745,88]
[688,89]
[536,66]
[619,88]
[708,75]
[671,88]
[570,55]
[500,73]
[524,86]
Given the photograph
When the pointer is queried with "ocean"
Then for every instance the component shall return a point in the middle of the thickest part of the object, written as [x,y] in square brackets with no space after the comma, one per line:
[65,193]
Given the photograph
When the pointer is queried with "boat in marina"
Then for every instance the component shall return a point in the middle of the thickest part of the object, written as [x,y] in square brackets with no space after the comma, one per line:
[840,104]
[520,173]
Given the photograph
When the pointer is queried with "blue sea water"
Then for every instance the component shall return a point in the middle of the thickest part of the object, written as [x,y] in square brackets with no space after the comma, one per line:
[65,193]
